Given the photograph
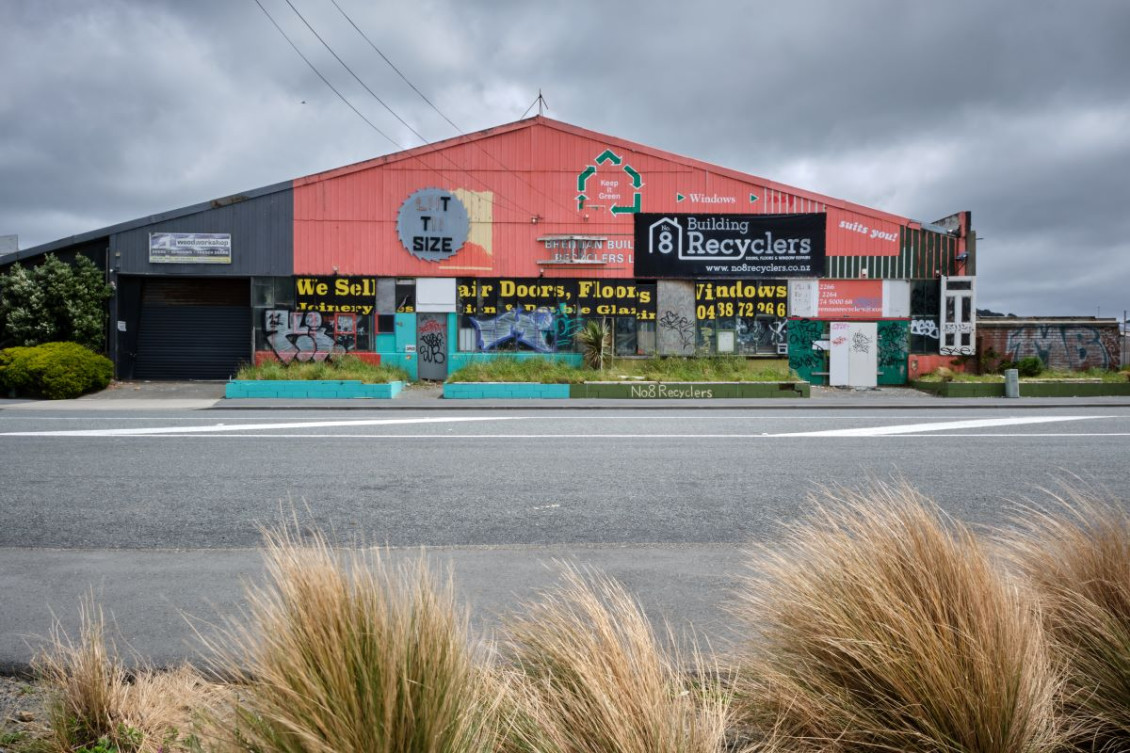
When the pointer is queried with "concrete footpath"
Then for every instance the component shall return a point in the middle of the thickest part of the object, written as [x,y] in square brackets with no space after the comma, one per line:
[155,601]
[144,396]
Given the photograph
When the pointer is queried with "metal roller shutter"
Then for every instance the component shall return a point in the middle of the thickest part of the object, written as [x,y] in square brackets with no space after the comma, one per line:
[193,328]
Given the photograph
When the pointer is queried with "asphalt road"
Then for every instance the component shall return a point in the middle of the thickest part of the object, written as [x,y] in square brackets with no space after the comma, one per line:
[159,512]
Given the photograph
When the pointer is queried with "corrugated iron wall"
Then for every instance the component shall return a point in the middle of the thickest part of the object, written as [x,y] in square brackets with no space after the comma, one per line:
[522,182]
[924,255]
[262,235]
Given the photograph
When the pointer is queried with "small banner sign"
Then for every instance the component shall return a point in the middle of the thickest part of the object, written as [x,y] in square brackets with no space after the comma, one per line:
[729,245]
[190,248]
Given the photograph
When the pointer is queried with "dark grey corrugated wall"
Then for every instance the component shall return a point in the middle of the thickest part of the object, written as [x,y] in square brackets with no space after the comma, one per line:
[262,236]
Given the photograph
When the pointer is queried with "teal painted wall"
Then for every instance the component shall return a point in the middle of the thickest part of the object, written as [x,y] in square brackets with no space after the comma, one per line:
[894,346]
[802,358]
[391,345]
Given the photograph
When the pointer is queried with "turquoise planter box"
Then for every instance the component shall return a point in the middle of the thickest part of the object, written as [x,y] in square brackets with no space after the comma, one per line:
[325,389]
[504,390]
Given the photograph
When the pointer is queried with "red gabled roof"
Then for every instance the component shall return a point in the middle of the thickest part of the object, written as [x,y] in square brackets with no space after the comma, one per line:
[542,121]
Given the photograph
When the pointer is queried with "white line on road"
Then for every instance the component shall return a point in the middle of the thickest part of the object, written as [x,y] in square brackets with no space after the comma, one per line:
[915,429]
[216,428]
[984,423]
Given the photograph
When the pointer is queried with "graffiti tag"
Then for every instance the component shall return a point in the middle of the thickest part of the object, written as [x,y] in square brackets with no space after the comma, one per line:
[673,321]
[306,336]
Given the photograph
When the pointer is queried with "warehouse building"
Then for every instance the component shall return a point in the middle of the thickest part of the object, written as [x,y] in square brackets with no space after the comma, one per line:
[503,242]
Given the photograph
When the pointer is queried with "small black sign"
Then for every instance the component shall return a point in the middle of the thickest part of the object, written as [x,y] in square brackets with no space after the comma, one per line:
[729,245]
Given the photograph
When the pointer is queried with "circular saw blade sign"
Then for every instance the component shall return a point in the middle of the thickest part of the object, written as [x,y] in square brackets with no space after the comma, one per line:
[433,224]
[617,188]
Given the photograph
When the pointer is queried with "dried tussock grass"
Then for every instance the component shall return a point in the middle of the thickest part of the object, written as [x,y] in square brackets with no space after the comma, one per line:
[342,652]
[593,677]
[95,696]
[881,625]
[1077,559]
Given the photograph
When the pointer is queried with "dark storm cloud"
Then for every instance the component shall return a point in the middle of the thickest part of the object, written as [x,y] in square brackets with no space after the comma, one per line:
[111,110]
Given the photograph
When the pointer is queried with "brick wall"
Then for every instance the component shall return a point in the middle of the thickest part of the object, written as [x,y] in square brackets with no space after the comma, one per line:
[1068,345]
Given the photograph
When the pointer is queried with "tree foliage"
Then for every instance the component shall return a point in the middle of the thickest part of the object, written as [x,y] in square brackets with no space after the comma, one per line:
[54,301]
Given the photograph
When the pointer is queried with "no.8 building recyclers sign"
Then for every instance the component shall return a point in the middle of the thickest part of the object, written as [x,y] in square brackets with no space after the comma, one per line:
[729,245]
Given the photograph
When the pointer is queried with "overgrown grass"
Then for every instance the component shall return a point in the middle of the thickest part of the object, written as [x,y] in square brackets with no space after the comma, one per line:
[594,677]
[1102,375]
[96,701]
[546,371]
[883,626]
[538,370]
[341,653]
[342,367]
[1078,560]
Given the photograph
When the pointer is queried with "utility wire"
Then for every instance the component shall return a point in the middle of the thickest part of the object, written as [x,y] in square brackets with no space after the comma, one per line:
[442,115]
[344,65]
[393,66]
[324,79]
[406,124]
[349,104]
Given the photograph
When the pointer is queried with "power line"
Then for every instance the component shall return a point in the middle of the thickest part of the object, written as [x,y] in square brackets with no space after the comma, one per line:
[393,66]
[344,65]
[494,159]
[509,204]
[324,79]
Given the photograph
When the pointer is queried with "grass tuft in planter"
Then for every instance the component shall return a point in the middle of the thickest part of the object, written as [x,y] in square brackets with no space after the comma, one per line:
[879,624]
[1077,557]
[593,676]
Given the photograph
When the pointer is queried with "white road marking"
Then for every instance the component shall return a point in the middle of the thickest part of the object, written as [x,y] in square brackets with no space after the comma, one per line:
[216,428]
[221,429]
[984,423]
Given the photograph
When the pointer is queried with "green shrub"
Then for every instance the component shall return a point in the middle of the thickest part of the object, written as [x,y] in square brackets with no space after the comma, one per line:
[56,371]
[1030,366]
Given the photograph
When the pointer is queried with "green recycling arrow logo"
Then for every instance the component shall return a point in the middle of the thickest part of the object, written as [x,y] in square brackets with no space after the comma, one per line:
[610,157]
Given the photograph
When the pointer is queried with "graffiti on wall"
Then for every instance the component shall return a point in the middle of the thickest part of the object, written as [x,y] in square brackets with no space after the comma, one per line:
[803,359]
[1066,346]
[308,335]
[761,335]
[674,325]
[925,328]
[529,328]
[432,342]
[958,332]
[894,341]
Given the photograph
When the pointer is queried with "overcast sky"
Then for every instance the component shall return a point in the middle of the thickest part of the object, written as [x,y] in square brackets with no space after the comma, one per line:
[1018,111]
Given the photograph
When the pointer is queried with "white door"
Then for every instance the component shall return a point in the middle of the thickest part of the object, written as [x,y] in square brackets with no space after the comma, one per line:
[854,354]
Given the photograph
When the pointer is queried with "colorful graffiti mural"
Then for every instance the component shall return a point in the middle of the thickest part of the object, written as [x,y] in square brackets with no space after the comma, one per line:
[1069,346]
[530,328]
[308,335]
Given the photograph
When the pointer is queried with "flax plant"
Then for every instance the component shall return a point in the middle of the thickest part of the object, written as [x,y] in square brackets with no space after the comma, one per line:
[881,625]
[593,678]
[1077,558]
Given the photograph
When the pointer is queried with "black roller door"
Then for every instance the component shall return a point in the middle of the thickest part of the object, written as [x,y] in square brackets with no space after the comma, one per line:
[193,328]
